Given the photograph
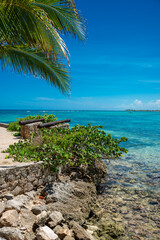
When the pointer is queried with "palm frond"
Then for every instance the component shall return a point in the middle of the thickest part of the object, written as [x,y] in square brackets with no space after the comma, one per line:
[23,23]
[64,16]
[26,61]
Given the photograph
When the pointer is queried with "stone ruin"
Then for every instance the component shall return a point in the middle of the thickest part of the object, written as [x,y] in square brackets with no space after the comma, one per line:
[29,127]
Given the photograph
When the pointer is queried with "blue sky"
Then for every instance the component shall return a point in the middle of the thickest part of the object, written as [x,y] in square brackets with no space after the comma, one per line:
[118,67]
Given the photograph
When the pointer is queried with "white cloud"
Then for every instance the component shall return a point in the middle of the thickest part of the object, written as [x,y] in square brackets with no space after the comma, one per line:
[154,103]
[137,102]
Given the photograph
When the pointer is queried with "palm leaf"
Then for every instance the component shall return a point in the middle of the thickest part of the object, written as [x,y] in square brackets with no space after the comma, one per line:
[26,61]
[64,16]
[23,23]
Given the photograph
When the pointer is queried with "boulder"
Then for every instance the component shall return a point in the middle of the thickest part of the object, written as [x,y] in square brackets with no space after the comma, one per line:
[17,190]
[55,218]
[27,219]
[80,233]
[37,209]
[9,218]
[10,233]
[46,233]
[63,232]
[14,204]
[42,218]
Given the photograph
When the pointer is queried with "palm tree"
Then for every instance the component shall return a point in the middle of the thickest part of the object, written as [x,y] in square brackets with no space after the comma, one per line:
[30,37]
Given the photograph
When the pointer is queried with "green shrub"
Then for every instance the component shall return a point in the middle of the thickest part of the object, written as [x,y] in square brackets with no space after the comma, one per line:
[79,146]
[15,127]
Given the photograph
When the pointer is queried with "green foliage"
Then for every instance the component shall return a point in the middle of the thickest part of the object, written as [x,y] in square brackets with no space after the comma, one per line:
[76,147]
[15,127]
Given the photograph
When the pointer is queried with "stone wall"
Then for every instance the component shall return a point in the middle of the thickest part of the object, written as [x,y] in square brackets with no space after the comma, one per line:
[28,129]
[24,178]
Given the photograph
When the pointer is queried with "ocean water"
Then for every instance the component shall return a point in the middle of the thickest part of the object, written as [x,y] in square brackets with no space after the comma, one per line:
[141,166]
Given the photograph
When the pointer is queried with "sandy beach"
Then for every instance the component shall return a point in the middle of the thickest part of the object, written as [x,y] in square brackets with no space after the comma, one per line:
[6,139]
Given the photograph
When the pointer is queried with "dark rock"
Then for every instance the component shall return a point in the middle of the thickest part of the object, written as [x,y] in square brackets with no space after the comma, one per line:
[8,196]
[37,209]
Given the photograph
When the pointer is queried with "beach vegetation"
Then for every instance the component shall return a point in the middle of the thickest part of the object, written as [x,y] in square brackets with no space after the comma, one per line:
[75,147]
[31,38]
[15,127]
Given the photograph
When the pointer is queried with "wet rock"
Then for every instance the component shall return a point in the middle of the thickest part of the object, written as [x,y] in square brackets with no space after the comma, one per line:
[46,233]
[80,233]
[110,228]
[9,219]
[124,210]
[55,218]
[153,202]
[10,233]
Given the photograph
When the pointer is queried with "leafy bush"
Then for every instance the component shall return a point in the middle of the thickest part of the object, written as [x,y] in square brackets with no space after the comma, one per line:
[15,127]
[79,146]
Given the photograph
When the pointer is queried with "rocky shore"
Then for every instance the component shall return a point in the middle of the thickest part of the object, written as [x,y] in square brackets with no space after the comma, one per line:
[56,211]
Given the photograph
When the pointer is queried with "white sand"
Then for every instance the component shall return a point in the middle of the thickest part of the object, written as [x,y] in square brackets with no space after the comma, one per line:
[6,138]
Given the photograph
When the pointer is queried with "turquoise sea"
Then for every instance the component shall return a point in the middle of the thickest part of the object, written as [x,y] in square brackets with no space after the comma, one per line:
[141,166]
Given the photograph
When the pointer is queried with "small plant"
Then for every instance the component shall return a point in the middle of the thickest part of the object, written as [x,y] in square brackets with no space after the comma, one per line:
[15,127]
[82,145]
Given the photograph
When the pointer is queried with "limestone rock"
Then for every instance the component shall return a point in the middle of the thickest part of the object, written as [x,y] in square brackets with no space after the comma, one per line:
[2,208]
[37,209]
[10,233]
[69,238]
[9,218]
[27,219]
[55,218]
[42,218]
[80,233]
[63,232]
[17,190]
[46,233]
[14,204]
